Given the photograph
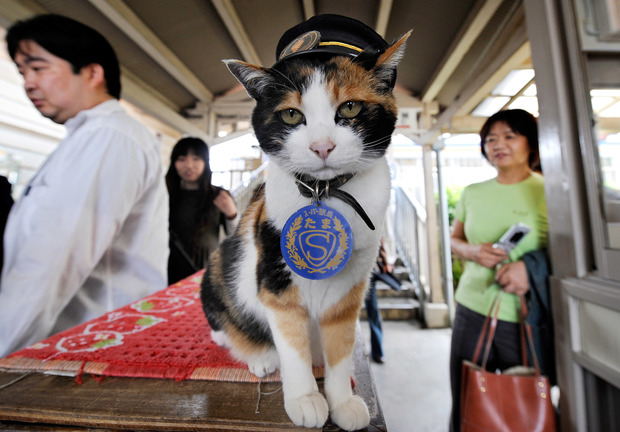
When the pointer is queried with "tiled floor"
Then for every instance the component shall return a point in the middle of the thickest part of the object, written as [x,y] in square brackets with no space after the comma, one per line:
[414,382]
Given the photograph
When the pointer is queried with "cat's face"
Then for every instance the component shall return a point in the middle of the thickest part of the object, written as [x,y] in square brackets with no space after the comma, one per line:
[322,117]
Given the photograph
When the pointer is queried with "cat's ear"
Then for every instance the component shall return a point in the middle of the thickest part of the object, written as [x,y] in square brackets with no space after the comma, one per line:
[253,78]
[387,62]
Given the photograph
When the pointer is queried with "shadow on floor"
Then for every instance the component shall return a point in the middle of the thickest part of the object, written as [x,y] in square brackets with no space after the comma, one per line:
[414,382]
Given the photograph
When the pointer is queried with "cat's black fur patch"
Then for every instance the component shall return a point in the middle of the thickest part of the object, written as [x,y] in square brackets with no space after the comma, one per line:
[271,271]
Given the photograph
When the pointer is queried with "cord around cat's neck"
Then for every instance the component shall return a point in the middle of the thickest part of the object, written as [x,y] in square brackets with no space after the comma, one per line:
[317,189]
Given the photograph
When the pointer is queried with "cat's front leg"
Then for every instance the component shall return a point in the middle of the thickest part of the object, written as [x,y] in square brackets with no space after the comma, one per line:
[303,402]
[338,333]
[347,410]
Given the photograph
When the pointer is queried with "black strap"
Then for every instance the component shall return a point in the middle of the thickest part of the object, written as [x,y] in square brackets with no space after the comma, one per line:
[317,189]
[176,242]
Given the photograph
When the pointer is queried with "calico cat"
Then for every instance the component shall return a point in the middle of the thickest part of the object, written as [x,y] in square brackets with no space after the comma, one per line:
[324,120]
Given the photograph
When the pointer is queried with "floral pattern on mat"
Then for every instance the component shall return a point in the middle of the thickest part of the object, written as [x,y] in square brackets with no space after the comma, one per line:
[165,335]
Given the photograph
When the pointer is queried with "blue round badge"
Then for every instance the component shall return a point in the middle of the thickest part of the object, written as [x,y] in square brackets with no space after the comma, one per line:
[317,241]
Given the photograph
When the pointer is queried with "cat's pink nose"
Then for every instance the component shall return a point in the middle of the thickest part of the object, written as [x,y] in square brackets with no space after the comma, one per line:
[322,148]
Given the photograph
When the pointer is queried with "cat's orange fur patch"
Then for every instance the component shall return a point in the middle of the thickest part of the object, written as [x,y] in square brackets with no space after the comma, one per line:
[291,319]
[291,100]
[338,325]
[253,213]
[354,83]
[215,265]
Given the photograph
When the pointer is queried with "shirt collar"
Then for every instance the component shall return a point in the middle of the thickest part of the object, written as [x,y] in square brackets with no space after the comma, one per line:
[103,108]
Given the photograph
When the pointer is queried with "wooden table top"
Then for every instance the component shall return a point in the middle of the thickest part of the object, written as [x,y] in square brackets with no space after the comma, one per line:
[48,402]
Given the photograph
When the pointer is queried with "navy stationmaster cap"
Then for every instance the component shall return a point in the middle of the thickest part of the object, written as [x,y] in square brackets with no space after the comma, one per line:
[332,34]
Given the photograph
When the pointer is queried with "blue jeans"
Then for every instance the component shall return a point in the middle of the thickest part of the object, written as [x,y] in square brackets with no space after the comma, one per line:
[374,320]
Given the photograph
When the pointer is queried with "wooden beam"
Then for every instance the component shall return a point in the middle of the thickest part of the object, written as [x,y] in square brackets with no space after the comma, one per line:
[144,97]
[385,8]
[15,10]
[470,30]
[516,41]
[231,20]
[128,22]
[466,124]
[309,10]
[517,60]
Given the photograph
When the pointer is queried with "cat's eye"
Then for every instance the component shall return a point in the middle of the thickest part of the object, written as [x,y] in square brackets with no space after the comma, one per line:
[349,109]
[291,116]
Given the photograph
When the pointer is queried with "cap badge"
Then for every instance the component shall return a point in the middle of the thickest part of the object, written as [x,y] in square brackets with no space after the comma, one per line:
[305,42]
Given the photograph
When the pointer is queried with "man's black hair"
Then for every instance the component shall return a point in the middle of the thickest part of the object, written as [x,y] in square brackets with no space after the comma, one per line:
[70,40]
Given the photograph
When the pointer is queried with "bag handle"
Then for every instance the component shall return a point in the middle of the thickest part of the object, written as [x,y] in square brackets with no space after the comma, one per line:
[485,328]
[488,333]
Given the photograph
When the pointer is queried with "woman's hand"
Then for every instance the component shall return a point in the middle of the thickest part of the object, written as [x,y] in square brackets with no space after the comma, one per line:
[226,204]
[488,256]
[512,277]
[484,254]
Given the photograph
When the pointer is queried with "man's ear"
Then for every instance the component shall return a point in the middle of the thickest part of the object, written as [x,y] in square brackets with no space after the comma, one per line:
[95,76]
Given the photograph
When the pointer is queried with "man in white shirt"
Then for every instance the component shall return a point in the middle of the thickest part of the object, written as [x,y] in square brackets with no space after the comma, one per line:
[90,233]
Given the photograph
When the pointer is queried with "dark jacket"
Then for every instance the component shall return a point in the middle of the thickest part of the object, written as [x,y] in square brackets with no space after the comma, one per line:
[540,315]
[6,202]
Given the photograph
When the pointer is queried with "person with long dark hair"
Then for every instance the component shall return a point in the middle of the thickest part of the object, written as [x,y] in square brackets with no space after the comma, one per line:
[197,209]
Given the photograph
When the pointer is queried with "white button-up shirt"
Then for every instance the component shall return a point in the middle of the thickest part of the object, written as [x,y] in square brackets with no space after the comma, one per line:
[89,234]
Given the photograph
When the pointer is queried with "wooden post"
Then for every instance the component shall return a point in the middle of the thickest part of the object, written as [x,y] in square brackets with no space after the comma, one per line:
[435,312]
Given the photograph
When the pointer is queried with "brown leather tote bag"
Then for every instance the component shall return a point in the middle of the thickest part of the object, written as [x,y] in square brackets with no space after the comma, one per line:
[515,400]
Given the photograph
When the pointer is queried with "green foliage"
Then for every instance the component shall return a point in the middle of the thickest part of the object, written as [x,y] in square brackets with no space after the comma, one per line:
[453,194]
[457,269]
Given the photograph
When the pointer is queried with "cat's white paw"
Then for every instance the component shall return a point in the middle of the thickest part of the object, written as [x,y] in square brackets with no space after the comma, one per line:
[351,415]
[309,411]
[264,364]
[220,338]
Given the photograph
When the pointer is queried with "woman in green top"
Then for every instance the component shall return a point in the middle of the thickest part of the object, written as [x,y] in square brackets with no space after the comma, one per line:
[486,210]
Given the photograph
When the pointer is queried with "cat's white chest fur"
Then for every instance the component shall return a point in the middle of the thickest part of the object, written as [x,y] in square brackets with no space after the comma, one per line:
[371,189]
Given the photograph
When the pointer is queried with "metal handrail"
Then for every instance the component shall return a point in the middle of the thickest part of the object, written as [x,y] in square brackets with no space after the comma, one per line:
[410,239]
[243,192]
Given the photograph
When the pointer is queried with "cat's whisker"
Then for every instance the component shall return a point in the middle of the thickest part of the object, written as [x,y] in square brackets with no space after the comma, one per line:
[378,141]
[277,85]
[293,85]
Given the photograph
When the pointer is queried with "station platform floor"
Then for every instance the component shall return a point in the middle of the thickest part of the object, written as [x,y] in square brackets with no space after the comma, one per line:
[413,384]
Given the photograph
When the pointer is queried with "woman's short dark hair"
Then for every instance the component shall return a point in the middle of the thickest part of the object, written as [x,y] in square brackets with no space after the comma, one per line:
[522,123]
[185,146]
[70,40]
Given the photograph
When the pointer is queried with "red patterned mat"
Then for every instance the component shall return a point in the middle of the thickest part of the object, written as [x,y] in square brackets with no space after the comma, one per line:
[165,335]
